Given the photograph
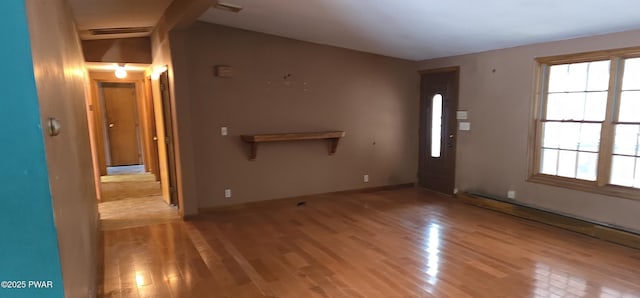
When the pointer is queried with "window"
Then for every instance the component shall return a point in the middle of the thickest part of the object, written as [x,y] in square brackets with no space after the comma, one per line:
[588,122]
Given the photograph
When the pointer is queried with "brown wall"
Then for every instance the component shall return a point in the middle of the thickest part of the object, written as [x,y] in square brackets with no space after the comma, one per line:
[492,157]
[120,50]
[163,53]
[373,98]
[61,79]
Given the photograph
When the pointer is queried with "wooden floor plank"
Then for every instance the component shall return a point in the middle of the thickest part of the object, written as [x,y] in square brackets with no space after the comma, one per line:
[396,243]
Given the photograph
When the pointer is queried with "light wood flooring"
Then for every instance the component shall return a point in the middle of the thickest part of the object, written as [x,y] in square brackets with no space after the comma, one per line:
[400,243]
[131,200]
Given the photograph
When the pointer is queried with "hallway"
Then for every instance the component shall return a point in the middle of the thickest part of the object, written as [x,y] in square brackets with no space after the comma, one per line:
[132,199]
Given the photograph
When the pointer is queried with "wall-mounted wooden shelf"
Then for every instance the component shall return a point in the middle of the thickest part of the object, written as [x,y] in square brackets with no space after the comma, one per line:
[332,136]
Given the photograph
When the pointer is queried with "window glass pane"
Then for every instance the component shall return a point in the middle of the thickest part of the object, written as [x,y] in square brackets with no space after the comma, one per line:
[565,106]
[626,139]
[598,76]
[622,170]
[568,77]
[629,106]
[549,162]
[570,135]
[587,166]
[631,77]
[595,106]
[567,164]
[586,76]
[436,126]
[636,181]
[589,137]
[558,77]
[551,134]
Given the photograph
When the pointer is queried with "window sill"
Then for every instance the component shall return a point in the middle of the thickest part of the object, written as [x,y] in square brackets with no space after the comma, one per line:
[587,186]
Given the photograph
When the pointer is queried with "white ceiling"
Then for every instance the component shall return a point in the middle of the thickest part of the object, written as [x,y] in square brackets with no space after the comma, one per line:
[95,14]
[424,29]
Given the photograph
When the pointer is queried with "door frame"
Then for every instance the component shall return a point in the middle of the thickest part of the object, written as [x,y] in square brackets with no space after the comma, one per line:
[168,111]
[423,142]
[96,78]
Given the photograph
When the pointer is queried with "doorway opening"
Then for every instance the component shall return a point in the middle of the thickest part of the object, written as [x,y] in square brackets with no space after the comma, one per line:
[438,127]
[132,147]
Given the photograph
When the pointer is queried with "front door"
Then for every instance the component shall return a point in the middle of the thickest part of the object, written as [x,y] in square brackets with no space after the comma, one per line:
[121,115]
[438,105]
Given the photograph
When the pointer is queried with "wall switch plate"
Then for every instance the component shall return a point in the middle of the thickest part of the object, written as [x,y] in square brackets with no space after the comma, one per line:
[511,194]
[462,115]
[365,178]
[464,126]
[227,193]
[223,130]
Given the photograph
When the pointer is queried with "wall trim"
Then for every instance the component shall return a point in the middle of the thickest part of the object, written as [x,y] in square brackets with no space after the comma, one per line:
[294,200]
[594,229]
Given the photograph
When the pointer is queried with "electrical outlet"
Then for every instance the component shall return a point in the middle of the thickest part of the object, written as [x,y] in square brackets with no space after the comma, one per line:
[223,130]
[227,193]
[455,191]
[366,178]
[511,194]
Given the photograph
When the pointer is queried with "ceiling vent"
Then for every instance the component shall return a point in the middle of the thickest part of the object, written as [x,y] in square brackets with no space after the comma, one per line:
[121,30]
[228,7]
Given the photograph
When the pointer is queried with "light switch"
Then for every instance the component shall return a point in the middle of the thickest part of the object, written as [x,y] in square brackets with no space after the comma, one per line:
[464,126]
[223,130]
[462,115]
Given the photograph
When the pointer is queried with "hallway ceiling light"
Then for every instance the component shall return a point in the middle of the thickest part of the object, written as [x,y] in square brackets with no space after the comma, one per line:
[121,71]
[228,7]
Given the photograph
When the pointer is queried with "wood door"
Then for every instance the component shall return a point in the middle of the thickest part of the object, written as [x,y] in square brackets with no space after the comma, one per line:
[152,161]
[438,105]
[121,122]
[169,137]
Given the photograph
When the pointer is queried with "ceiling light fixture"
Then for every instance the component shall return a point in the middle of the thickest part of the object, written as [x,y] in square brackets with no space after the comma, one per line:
[121,71]
[228,7]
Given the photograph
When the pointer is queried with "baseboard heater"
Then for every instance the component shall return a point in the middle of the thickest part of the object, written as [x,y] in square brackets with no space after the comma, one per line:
[608,232]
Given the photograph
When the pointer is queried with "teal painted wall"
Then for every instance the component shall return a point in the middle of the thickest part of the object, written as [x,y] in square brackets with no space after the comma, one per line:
[28,239]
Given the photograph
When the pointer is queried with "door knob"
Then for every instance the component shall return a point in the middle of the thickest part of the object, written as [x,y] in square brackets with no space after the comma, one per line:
[54,126]
[111,125]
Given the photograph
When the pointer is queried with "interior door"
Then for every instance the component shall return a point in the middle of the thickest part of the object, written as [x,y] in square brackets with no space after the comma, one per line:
[438,105]
[121,121]
[168,127]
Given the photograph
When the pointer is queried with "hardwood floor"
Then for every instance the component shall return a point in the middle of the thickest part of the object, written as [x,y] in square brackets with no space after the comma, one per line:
[131,201]
[400,243]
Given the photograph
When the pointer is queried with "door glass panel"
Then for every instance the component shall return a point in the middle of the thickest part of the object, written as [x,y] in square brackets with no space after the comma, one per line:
[436,126]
